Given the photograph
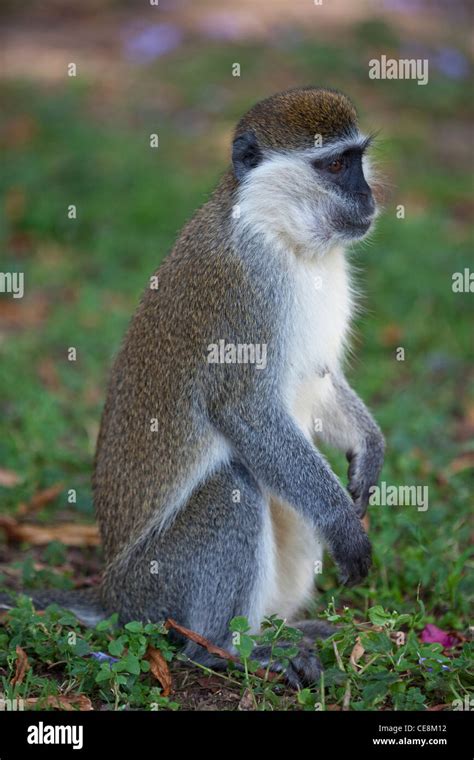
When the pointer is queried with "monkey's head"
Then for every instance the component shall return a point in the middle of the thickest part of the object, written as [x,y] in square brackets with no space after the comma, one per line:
[300,162]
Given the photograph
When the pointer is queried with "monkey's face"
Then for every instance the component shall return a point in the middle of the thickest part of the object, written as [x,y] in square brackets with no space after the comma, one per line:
[340,174]
[311,199]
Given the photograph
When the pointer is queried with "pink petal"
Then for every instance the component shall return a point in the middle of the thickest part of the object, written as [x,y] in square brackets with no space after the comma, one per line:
[431,634]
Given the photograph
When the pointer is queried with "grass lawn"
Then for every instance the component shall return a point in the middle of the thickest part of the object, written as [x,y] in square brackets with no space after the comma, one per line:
[76,144]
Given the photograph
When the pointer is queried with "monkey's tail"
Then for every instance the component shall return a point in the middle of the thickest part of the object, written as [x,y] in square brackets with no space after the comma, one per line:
[86,603]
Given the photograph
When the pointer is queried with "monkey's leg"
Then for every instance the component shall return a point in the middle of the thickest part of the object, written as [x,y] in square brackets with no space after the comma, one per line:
[215,562]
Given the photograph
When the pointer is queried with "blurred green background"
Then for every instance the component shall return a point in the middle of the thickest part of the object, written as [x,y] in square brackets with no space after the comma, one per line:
[84,140]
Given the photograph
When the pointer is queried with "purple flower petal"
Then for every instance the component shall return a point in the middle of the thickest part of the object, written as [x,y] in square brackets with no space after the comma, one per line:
[421,660]
[103,657]
[143,44]
[452,63]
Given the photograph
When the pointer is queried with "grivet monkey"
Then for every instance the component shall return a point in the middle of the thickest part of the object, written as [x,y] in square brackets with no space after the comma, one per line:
[211,495]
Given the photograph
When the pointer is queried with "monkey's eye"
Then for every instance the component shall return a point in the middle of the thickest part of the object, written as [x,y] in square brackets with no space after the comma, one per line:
[336,166]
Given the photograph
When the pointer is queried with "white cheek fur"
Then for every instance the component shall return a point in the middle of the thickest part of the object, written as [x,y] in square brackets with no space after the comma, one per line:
[279,200]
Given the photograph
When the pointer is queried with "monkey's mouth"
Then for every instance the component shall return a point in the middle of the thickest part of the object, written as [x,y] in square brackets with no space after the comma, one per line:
[354,228]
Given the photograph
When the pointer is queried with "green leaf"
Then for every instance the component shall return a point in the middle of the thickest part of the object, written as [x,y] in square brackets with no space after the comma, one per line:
[403,665]
[245,646]
[81,647]
[68,619]
[134,626]
[104,674]
[307,698]
[129,663]
[378,616]
[105,625]
[116,647]
[374,692]
[376,642]
[239,624]
[404,620]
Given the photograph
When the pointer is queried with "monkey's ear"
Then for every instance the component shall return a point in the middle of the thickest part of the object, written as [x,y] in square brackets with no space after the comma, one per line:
[246,153]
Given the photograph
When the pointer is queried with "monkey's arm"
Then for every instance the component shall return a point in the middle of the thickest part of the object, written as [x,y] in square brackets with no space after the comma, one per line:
[288,465]
[347,424]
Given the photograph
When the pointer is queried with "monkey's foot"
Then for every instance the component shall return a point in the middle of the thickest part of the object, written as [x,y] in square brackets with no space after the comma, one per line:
[304,668]
[300,670]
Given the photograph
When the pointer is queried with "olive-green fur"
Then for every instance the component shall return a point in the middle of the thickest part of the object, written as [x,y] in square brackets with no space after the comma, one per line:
[293,118]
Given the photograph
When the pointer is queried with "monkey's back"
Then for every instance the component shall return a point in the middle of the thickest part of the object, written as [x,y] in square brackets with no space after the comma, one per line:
[156,434]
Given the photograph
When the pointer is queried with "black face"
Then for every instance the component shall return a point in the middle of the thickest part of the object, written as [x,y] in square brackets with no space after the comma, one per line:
[343,173]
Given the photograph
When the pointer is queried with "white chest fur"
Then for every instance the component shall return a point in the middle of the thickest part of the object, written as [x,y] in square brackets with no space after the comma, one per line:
[318,329]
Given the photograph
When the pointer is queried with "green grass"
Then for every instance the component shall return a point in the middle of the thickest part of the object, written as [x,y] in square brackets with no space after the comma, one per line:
[84,277]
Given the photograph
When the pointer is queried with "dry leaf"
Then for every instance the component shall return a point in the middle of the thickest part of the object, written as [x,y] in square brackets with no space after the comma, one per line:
[346,703]
[14,203]
[40,498]
[24,312]
[339,661]
[391,335]
[16,572]
[247,702]
[48,374]
[21,667]
[465,426]
[19,243]
[356,653]
[9,478]
[212,684]
[159,668]
[20,130]
[460,463]
[62,702]
[38,535]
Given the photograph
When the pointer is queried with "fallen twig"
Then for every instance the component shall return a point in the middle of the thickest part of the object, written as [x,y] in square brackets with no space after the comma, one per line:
[213,649]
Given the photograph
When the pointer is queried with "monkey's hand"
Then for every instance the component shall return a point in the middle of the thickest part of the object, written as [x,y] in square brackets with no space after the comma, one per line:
[351,549]
[364,470]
